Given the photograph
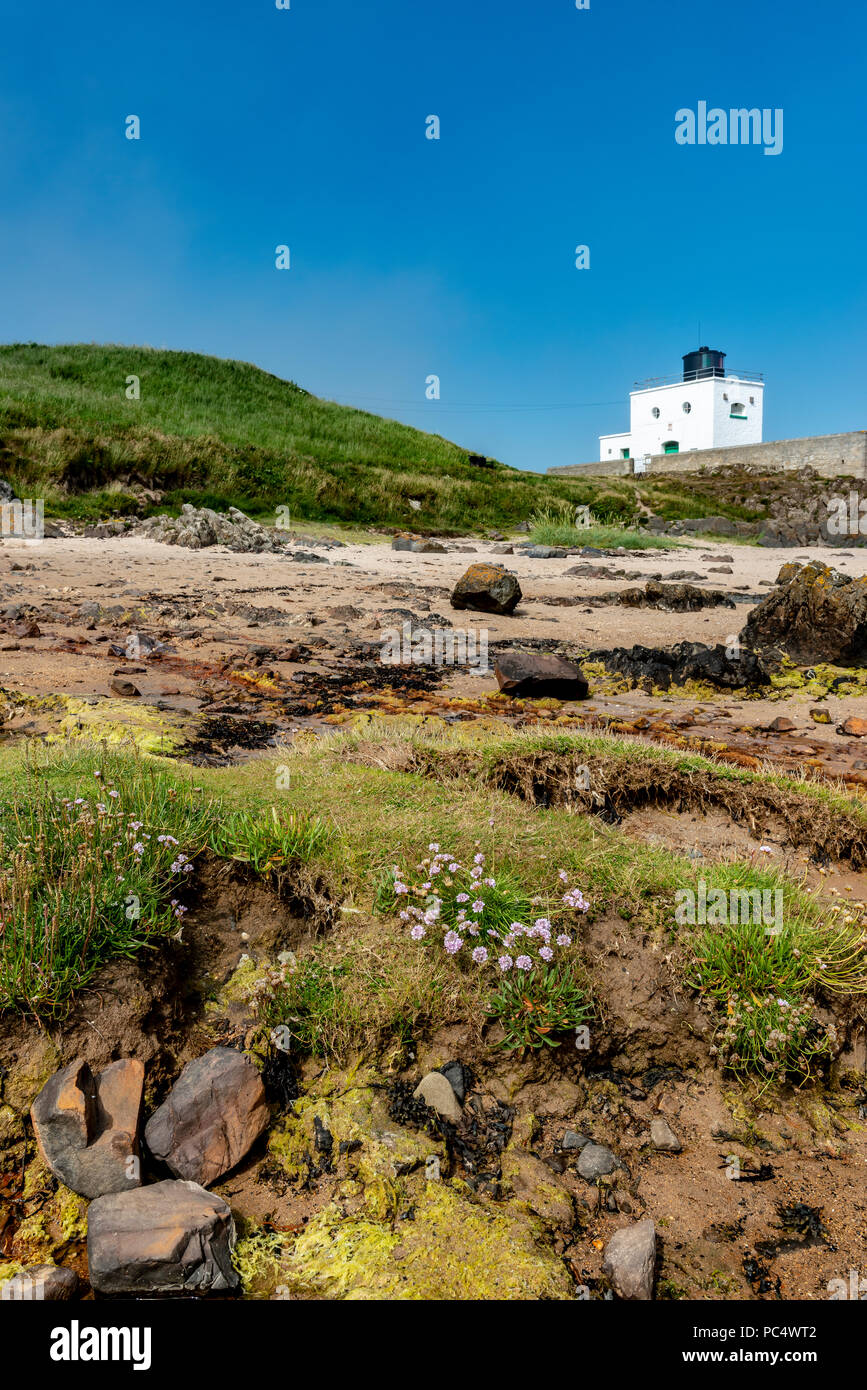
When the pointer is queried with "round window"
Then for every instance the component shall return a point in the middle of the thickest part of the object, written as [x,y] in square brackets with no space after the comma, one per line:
[655,412]
[686,407]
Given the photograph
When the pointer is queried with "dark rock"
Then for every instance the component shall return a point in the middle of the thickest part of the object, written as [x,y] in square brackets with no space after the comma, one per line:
[306,557]
[323,1140]
[818,614]
[87,1126]
[630,1256]
[674,598]
[572,1139]
[706,525]
[124,688]
[213,1115]
[545,552]
[665,666]
[172,1238]
[27,628]
[488,589]
[418,546]
[539,675]
[456,1075]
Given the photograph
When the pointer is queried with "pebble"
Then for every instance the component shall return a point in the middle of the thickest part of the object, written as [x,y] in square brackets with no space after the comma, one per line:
[594,1161]
[664,1137]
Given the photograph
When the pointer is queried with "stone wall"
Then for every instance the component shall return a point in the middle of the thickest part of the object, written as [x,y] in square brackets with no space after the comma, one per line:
[831,455]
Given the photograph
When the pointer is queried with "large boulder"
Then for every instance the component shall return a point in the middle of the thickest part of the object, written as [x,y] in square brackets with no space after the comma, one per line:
[418,545]
[540,675]
[487,588]
[673,598]
[630,1256]
[87,1126]
[173,1237]
[213,1115]
[816,614]
[661,667]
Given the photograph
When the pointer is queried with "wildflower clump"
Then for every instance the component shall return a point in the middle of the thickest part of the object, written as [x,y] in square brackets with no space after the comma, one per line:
[86,878]
[776,1037]
[487,922]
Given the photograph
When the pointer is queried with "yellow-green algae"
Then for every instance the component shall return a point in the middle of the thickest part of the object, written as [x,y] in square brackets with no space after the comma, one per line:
[257,1259]
[118,722]
[60,1219]
[389,1232]
[351,1109]
[452,1248]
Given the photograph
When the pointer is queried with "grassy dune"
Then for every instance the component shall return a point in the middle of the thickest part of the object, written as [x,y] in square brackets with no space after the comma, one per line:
[222,433]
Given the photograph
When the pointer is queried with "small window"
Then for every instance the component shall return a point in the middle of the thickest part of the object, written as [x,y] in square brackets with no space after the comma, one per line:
[752,400]
[725,395]
[686,407]
[671,446]
[655,412]
[738,411]
[624,453]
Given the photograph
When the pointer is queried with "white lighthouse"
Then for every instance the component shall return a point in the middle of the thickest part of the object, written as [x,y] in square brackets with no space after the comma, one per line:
[708,407]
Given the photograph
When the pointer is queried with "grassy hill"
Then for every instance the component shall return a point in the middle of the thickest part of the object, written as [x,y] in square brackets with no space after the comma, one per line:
[222,433]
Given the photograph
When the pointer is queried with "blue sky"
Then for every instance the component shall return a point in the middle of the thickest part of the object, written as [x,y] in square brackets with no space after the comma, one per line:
[412,257]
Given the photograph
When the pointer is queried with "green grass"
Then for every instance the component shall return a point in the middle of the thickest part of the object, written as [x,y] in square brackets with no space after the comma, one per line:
[555,525]
[96,852]
[84,875]
[269,842]
[366,985]
[221,433]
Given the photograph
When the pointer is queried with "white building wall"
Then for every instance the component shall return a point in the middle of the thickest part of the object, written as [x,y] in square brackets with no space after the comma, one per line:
[729,432]
[707,423]
[691,429]
[610,446]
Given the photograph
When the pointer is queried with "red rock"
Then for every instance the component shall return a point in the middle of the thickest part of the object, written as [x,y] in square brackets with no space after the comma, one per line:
[853,726]
[540,675]
[87,1126]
